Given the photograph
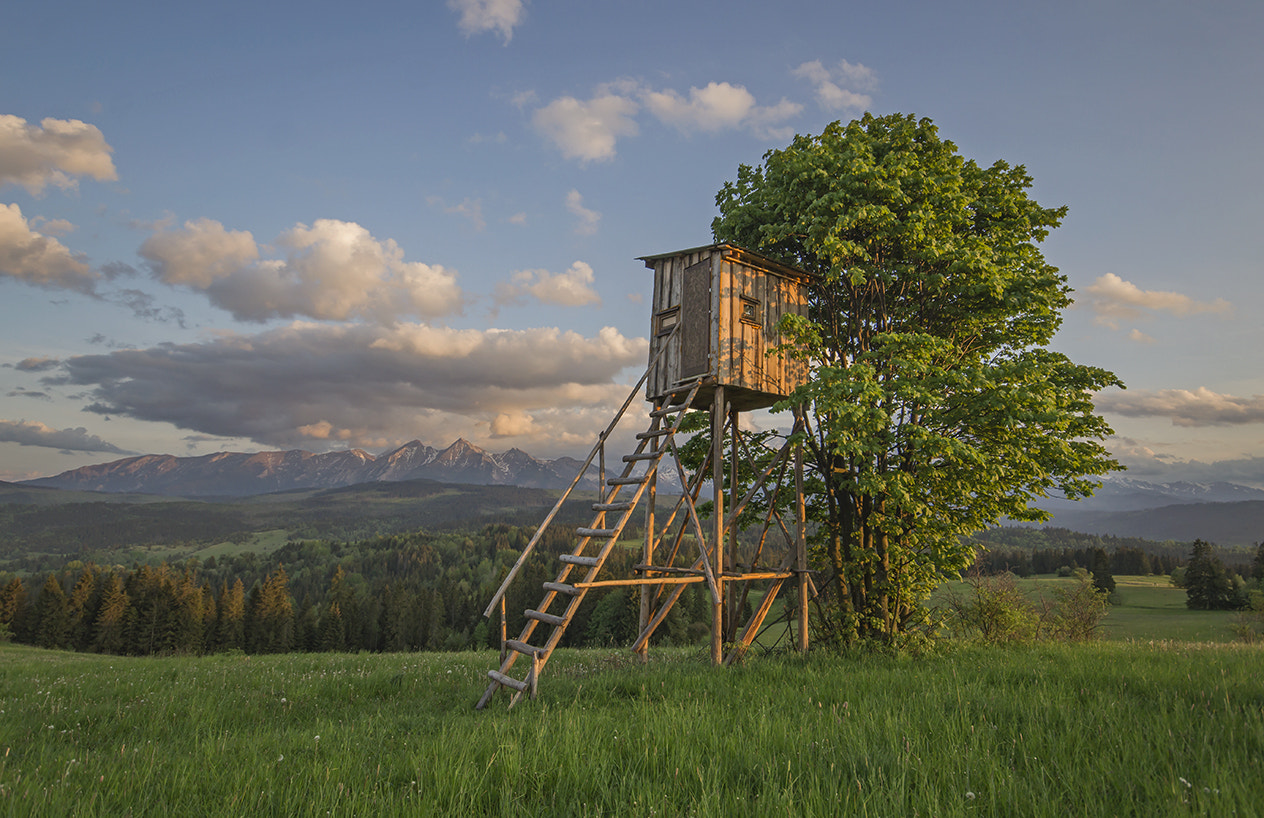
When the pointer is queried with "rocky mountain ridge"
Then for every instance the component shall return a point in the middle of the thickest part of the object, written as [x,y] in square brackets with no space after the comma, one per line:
[239,474]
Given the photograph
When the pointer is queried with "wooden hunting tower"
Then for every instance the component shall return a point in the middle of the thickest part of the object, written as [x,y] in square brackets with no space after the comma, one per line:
[716,310]
[713,346]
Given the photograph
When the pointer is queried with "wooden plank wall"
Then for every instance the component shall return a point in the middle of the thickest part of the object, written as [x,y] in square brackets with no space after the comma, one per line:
[741,346]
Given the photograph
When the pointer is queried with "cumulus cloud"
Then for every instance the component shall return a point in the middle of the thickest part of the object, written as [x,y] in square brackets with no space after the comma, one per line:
[34,258]
[588,219]
[477,16]
[839,88]
[332,270]
[25,433]
[718,106]
[572,288]
[1200,407]
[590,130]
[587,131]
[54,152]
[364,385]
[1114,299]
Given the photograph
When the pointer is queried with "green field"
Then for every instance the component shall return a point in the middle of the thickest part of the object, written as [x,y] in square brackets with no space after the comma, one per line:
[1101,729]
[1145,609]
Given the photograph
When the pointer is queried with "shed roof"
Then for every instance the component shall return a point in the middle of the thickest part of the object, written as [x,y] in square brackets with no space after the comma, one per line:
[739,254]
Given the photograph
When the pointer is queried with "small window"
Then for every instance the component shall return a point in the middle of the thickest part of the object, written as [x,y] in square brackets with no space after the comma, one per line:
[750,311]
[667,320]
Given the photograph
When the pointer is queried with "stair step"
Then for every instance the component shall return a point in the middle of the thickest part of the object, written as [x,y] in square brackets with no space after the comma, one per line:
[575,559]
[625,481]
[523,647]
[611,506]
[546,618]
[632,458]
[508,681]
[600,533]
[561,588]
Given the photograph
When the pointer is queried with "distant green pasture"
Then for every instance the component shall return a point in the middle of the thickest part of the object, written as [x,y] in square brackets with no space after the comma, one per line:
[1146,608]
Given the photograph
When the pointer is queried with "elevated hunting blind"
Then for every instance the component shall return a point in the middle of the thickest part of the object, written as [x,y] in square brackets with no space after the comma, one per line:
[716,313]
[713,346]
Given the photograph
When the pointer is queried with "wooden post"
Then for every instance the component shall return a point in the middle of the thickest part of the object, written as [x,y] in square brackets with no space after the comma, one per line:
[647,591]
[734,615]
[801,539]
[717,517]
[504,634]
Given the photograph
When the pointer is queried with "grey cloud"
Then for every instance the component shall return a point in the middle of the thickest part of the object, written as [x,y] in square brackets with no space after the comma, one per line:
[1198,407]
[364,385]
[26,433]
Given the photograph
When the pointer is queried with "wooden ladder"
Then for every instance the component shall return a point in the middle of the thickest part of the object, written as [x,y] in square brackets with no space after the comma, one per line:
[595,544]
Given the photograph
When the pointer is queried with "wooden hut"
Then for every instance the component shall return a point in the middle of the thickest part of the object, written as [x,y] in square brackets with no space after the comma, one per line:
[724,304]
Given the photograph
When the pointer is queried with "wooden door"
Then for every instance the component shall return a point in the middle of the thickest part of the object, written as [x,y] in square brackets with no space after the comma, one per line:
[695,319]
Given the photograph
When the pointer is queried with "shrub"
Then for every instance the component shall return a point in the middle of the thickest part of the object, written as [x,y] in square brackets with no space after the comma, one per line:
[997,610]
[1076,612]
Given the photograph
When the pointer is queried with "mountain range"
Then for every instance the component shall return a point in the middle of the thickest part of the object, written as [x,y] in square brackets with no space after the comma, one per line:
[1226,513]
[237,474]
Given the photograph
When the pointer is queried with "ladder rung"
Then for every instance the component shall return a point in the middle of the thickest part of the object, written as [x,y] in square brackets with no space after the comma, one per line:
[576,559]
[611,506]
[632,458]
[625,481]
[670,410]
[561,588]
[546,618]
[601,533]
[652,433]
[523,647]
[507,681]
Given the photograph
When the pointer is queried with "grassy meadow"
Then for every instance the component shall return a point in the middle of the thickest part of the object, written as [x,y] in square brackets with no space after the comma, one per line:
[1111,728]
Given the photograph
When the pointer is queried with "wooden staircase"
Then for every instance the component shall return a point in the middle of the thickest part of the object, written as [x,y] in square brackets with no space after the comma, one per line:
[618,499]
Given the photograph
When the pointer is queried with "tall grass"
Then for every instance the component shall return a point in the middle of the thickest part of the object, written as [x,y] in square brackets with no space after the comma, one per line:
[1104,729]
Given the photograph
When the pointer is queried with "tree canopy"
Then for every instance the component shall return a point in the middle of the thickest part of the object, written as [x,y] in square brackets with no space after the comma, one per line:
[937,407]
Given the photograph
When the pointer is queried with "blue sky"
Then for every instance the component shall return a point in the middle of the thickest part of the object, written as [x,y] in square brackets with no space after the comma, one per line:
[256,226]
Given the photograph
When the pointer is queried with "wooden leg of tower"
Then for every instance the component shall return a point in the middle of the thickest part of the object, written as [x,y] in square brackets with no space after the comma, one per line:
[734,615]
[717,516]
[801,542]
[647,591]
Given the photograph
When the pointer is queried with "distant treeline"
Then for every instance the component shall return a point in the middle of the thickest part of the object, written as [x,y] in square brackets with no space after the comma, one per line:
[1028,550]
[405,592]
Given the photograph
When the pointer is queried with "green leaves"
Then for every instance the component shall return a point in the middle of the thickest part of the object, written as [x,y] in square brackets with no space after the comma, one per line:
[936,407]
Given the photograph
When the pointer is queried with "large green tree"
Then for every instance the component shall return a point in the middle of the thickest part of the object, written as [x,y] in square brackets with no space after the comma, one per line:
[937,407]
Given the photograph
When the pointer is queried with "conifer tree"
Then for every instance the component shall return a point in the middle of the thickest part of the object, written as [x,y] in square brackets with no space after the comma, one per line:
[109,629]
[53,623]
[230,631]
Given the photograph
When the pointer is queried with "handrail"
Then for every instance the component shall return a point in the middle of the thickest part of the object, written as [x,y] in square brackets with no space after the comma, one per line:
[601,440]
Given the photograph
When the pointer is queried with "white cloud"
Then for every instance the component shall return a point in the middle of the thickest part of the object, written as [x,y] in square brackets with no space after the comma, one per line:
[572,288]
[333,270]
[368,386]
[588,219]
[26,433]
[719,106]
[53,153]
[1140,337]
[200,254]
[838,89]
[1113,299]
[587,131]
[38,259]
[1199,407]
[477,16]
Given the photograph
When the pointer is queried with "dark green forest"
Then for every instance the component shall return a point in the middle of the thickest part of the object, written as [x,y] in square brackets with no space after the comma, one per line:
[380,567]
